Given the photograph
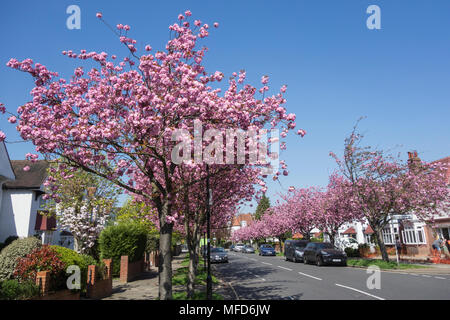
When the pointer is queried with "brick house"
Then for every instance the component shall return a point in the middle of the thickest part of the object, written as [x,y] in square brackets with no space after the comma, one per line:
[416,236]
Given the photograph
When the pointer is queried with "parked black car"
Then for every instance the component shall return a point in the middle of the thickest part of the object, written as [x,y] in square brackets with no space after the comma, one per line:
[322,253]
[293,249]
[218,255]
[266,250]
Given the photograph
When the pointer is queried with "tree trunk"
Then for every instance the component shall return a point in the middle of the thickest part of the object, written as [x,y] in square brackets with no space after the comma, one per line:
[165,259]
[332,237]
[192,272]
[379,237]
[192,242]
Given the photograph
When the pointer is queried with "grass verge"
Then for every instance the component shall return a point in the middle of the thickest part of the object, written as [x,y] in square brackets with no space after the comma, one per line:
[383,265]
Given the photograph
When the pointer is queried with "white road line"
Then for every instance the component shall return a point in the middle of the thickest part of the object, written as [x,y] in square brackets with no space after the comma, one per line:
[284,268]
[424,275]
[370,295]
[253,259]
[266,263]
[307,275]
[440,278]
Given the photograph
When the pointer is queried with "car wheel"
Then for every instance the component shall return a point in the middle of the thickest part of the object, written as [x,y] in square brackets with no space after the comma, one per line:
[286,258]
[319,261]
[305,261]
[295,259]
[344,264]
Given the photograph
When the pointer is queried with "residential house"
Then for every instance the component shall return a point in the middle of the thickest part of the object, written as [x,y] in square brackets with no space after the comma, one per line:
[416,236]
[241,221]
[21,202]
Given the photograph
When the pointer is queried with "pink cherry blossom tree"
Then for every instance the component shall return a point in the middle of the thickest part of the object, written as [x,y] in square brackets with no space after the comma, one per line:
[336,206]
[118,119]
[383,185]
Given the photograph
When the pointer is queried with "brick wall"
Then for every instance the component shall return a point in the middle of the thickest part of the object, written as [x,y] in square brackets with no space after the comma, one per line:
[43,281]
[130,270]
[99,288]
[154,259]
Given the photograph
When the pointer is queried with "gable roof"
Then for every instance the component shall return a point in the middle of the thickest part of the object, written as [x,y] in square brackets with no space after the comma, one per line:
[31,179]
[242,217]
[6,169]
[350,230]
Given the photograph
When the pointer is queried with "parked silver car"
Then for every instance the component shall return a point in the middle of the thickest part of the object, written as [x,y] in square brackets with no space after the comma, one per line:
[248,249]
[239,247]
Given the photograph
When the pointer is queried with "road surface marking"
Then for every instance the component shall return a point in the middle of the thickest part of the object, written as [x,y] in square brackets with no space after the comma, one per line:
[253,259]
[284,268]
[370,295]
[307,275]
[424,275]
[440,278]
[266,263]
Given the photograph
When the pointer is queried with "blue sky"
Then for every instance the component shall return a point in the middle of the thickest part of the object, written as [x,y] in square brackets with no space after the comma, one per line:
[336,69]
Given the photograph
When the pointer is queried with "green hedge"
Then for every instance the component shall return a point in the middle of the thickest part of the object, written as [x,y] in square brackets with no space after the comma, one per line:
[15,290]
[17,249]
[70,257]
[125,239]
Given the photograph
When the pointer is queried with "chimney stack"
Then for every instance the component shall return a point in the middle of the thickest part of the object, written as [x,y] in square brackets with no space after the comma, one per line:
[413,159]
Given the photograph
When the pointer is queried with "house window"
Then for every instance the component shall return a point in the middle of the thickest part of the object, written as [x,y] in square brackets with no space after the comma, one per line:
[413,235]
[368,238]
[387,236]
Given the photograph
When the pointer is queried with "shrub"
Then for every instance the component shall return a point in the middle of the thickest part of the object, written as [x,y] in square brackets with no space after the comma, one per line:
[17,249]
[353,253]
[70,257]
[10,239]
[44,258]
[124,239]
[152,242]
[15,290]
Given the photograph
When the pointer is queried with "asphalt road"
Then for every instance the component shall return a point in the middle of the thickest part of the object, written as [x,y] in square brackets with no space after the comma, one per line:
[253,277]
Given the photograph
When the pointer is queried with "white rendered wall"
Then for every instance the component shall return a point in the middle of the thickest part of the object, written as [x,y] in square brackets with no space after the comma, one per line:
[16,215]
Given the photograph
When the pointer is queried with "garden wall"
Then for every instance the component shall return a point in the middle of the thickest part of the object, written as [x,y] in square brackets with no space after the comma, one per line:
[99,288]
[130,270]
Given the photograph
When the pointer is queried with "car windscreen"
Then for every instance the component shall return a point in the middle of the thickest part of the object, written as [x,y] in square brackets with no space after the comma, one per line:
[300,245]
[217,250]
[266,247]
[325,246]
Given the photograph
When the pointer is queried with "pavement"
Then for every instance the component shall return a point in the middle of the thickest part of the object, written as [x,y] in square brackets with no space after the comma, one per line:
[265,278]
[145,287]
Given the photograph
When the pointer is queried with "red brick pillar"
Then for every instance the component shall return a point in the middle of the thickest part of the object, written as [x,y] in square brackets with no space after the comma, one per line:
[108,266]
[43,280]
[92,271]
[124,269]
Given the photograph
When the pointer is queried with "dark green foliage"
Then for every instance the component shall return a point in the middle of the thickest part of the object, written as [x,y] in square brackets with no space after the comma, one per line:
[15,290]
[352,253]
[125,239]
[152,242]
[10,239]
[17,249]
[263,205]
[70,257]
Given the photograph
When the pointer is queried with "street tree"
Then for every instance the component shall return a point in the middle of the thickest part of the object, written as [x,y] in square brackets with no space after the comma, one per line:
[384,185]
[118,119]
